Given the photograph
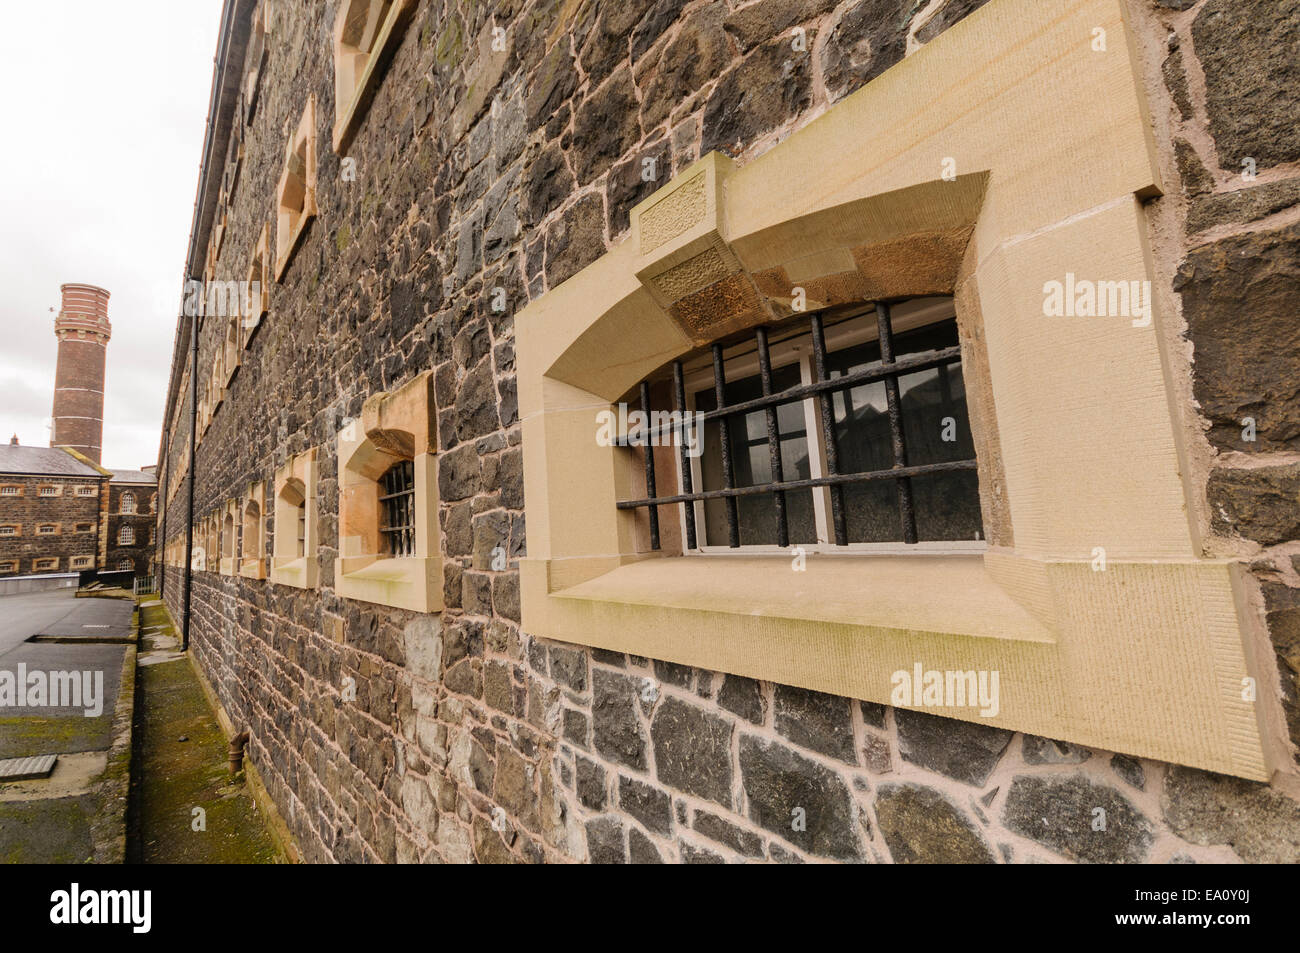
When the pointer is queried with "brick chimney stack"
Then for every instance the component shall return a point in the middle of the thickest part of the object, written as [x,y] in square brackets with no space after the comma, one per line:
[83,331]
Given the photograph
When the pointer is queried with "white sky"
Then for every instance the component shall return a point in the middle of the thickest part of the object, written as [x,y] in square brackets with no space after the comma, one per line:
[103,116]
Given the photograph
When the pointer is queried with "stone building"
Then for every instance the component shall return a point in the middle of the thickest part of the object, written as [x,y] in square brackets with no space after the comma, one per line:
[987,546]
[50,505]
[129,522]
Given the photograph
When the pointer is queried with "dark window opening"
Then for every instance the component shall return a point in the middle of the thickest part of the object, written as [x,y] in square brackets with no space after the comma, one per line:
[397,503]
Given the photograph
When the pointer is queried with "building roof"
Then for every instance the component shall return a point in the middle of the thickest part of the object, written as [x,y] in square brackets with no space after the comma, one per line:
[132,476]
[43,461]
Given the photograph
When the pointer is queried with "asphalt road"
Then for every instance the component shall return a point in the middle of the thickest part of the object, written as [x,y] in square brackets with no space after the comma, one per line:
[28,613]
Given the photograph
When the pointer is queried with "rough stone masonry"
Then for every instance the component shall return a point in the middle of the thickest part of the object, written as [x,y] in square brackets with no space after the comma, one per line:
[469,740]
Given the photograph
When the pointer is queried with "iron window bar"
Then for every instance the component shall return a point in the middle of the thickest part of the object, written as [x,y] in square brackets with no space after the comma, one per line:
[398,505]
[888,369]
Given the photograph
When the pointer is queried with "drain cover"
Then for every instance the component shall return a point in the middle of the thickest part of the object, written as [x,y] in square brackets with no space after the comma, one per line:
[22,769]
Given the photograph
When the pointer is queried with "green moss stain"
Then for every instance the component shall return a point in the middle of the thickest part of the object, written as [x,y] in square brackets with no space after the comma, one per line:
[451,45]
[343,238]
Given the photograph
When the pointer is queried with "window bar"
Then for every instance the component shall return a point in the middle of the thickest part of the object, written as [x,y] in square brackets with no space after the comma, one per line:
[724,432]
[905,511]
[773,438]
[827,400]
[650,468]
[679,389]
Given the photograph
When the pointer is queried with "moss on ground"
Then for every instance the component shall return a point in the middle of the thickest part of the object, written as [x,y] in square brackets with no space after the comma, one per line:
[170,777]
[46,832]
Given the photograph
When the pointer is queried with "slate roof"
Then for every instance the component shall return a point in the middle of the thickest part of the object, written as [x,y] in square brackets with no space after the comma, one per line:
[132,476]
[42,461]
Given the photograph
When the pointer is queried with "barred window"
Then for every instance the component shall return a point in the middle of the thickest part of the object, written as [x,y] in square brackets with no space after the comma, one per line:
[839,428]
[128,502]
[11,490]
[48,491]
[128,564]
[126,536]
[397,501]
[301,547]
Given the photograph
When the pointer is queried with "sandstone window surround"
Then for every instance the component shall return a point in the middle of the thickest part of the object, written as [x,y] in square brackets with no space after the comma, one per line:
[11,489]
[11,529]
[258,50]
[365,34]
[233,346]
[10,565]
[47,492]
[47,529]
[394,427]
[252,563]
[259,278]
[1146,656]
[82,562]
[294,561]
[229,538]
[126,536]
[126,504]
[296,193]
[45,565]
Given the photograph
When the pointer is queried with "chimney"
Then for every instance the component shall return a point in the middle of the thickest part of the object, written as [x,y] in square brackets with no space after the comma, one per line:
[13,441]
[83,331]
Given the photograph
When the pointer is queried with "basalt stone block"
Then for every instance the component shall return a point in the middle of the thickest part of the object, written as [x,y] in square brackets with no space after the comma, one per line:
[1130,770]
[1261,503]
[922,827]
[950,13]
[756,22]
[729,835]
[742,696]
[553,82]
[867,39]
[770,87]
[1079,818]
[575,239]
[698,53]
[1240,298]
[546,183]
[1036,750]
[569,667]
[591,785]
[693,751]
[616,725]
[1260,824]
[476,404]
[605,127]
[1176,82]
[607,45]
[816,720]
[641,850]
[798,799]
[963,750]
[634,180]
[649,805]
[1248,53]
[605,841]
[1242,205]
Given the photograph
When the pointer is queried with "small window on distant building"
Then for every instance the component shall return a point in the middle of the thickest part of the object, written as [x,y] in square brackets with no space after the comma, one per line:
[86,490]
[126,536]
[128,502]
[11,489]
[297,189]
[82,562]
[9,566]
[48,491]
[85,527]
[126,564]
[10,529]
[45,565]
[47,529]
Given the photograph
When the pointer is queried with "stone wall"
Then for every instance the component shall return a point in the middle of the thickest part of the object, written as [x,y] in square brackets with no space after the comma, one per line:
[479,169]
[143,521]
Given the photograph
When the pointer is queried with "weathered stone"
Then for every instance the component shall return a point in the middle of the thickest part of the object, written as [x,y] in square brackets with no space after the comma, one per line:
[591,784]
[922,827]
[770,87]
[1240,297]
[616,724]
[1260,824]
[423,643]
[1260,503]
[868,37]
[1062,813]
[950,13]
[635,179]
[1176,81]
[1282,614]
[1195,177]
[724,832]
[698,53]
[1241,206]
[1036,750]
[1250,54]
[605,127]
[674,674]
[962,750]
[575,239]
[873,714]
[742,696]
[693,854]
[816,720]
[799,800]
[458,475]
[756,22]
[552,83]
[876,755]
[547,182]
[647,804]
[476,404]
[1130,770]
[692,751]
[605,841]
[569,667]
[641,850]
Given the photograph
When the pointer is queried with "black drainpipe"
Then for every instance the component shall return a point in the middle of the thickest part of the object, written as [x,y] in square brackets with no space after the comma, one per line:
[189,509]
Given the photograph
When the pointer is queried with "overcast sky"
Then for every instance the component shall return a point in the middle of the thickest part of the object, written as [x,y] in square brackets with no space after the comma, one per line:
[103,114]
